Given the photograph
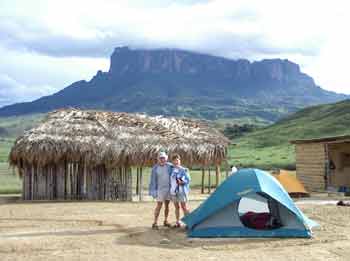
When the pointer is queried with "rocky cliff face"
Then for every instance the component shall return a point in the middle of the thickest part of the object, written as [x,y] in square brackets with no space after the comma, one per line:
[125,60]
[177,82]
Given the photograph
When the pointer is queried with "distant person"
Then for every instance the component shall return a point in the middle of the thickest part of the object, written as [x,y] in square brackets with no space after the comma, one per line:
[159,188]
[179,187]
[233,169]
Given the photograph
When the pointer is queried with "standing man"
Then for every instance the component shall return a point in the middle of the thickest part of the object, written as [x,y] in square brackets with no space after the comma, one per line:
[159,188]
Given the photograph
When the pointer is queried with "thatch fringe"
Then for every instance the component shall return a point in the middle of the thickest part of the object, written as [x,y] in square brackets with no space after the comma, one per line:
[116,139]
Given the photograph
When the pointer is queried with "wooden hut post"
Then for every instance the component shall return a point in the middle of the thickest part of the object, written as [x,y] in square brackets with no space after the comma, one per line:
[24,185]
[27,183]
[89,185]
[137,181]
[141,185]
[217,176]
[119,184]
[34,171]
[66,176]
[129,184]
[80,180]
[209,181]
[60,181]
[41,182]
[203,176]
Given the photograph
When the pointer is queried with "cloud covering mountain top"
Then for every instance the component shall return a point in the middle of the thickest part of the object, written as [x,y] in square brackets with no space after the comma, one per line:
[46,45]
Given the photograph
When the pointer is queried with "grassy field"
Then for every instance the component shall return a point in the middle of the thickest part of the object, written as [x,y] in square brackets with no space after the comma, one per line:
[9,182]
[16,125]
[270,147]
[5,147]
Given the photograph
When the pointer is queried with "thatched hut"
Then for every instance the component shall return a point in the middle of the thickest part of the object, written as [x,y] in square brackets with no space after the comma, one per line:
[75,154]
[323,164]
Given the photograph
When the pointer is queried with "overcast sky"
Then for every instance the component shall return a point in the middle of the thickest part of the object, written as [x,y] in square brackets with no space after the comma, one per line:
[46,45]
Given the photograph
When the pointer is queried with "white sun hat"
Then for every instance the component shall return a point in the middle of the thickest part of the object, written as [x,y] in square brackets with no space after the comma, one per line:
[162,154]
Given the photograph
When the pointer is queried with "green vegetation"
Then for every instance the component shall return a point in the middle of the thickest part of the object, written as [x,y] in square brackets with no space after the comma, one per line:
[15,126]
[5,146]
[9,183]
[10,129]
[266,148]
[269,147]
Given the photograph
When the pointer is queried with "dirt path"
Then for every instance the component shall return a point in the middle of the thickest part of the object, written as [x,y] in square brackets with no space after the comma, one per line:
[121,231]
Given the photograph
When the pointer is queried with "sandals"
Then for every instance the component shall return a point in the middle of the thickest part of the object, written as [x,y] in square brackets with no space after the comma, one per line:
[177,225]
[166,224]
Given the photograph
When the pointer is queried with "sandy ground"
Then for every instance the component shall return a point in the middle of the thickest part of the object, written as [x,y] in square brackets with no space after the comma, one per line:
[121,231]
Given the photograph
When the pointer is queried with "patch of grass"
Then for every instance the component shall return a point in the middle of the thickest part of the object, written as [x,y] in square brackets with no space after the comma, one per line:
[270,147]
[10,183]
[5,147]
[17,125]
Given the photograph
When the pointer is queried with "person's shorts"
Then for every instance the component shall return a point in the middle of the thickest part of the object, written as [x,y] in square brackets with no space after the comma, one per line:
[179,198]
[163,196]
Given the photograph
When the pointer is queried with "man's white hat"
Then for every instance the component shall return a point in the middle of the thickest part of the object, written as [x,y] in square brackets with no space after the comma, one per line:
[162,154]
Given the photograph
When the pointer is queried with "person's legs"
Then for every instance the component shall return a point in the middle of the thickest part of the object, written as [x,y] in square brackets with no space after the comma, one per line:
[184,208]
[177,212]
[157,211]
[166,212]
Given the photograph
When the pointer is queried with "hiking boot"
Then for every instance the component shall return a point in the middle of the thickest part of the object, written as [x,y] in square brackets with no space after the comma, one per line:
[166,224]
[155,226]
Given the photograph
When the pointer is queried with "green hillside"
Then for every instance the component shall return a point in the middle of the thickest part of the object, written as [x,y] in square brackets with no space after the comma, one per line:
[269,147]
[16,125]
[11,128]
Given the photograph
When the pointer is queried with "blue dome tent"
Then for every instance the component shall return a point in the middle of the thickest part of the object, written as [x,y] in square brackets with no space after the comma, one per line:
[248,189]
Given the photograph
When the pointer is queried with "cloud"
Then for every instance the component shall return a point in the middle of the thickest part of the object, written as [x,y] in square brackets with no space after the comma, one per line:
[12,91]
[54,43]
[213,27]
[27,76]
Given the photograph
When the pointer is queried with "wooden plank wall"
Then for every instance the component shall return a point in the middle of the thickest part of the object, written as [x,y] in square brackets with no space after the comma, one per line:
[75,181]
[310,165]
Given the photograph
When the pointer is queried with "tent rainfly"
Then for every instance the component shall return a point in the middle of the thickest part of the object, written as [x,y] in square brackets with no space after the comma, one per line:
[291,184]
[241,203]
[76,154]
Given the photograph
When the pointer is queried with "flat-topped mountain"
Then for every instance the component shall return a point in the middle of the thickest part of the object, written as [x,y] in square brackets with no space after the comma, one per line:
[183,83]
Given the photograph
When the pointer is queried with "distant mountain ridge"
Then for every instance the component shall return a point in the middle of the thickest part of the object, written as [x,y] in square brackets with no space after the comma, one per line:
[183,83]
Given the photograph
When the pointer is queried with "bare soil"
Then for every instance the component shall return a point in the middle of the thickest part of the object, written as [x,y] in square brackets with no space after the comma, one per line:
[122,231]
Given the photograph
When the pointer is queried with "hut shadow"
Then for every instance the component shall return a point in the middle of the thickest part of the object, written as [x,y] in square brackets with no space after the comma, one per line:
[172,238]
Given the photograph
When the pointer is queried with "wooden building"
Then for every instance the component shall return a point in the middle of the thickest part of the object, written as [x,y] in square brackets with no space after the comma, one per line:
[75,154]
[324,163]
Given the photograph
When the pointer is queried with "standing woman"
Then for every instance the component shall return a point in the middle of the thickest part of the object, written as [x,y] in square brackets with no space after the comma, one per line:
[179,187]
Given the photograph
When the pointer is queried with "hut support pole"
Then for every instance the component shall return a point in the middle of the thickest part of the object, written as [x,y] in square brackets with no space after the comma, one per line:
[209,181]
[217,176]
[141,185]
[203,176]
[129,183]
[137,181]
